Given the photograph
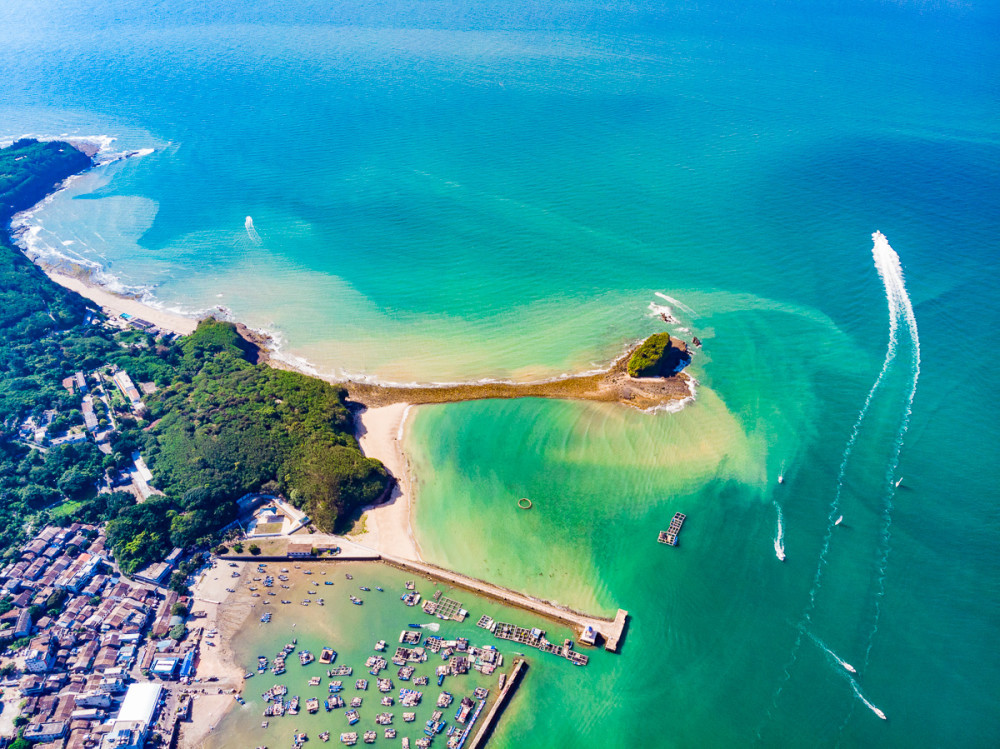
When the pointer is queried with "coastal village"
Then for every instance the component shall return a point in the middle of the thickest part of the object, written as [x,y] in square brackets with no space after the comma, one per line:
[94,658]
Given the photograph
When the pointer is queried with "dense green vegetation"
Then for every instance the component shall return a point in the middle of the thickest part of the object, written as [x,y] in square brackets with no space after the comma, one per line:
[657,356]
[227,426]
[218,427]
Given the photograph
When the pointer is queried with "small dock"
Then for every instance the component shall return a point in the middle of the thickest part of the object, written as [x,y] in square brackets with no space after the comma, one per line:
[669,536]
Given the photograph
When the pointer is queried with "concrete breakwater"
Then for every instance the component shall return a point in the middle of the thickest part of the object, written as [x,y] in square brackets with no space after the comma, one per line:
[611,631]
[486,730]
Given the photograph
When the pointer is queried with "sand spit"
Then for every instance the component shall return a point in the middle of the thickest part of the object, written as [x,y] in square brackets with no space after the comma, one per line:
[611,386]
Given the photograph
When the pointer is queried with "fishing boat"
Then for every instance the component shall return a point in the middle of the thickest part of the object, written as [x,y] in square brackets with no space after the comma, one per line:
[325,736]
[356,601]
[381,590]
[352,716]
[366,589]
[350,739]
[333,702]
[312,705]
[370,737]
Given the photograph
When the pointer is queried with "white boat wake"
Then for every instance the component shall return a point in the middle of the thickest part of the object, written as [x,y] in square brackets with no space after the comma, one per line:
[779,535]
[251,232]
[900,309]
[826,648]
[869,705]
[892,274]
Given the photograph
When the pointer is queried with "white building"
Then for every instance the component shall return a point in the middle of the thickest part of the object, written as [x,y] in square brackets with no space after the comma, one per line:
[129,729]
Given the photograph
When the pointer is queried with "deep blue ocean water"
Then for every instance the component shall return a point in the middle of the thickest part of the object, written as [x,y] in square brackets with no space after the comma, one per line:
[448,191]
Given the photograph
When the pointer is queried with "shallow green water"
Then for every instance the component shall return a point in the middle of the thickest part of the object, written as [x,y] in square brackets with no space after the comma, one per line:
[451,191]
[353,631]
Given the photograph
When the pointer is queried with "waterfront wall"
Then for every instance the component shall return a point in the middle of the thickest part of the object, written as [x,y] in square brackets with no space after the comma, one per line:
[486,729]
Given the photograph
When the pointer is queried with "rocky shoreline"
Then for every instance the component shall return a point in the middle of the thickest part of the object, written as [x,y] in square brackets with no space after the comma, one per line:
[611,386]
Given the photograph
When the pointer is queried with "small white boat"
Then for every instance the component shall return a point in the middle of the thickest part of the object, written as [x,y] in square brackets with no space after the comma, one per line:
[781,479]
[838,520]
[879,713]
[899,482]
[849,667]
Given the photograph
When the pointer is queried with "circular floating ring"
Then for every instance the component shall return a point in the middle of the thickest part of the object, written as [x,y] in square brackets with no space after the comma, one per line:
[524,503]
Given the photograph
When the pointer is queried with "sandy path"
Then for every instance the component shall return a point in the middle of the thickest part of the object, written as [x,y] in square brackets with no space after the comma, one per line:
[389,526]
[168,321]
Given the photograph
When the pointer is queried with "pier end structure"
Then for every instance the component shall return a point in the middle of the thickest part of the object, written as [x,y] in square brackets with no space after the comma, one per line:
[611,630]
[614,633]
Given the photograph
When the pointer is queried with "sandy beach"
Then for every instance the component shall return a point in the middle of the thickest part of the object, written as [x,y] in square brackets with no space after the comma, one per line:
[388,526]
[116,305]
[226,612]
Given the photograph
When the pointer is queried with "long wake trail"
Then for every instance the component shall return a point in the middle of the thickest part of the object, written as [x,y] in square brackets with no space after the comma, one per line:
[779,535]
[906,305]
[899,289]
[890,273]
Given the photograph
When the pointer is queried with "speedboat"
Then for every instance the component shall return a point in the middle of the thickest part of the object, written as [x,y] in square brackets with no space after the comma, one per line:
[838,520]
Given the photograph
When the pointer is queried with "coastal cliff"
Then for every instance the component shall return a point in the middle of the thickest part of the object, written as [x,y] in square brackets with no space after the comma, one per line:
[660,355]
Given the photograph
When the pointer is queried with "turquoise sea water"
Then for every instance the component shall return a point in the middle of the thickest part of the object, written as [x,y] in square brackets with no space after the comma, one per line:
[447,191]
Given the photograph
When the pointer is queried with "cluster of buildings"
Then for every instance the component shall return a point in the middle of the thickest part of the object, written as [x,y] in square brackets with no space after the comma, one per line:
[92,673]
[35,431]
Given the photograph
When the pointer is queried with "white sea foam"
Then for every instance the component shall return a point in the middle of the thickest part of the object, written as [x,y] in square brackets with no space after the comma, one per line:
[402,422]
[251,232]
[664,312]
[675,406]
[676,302]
